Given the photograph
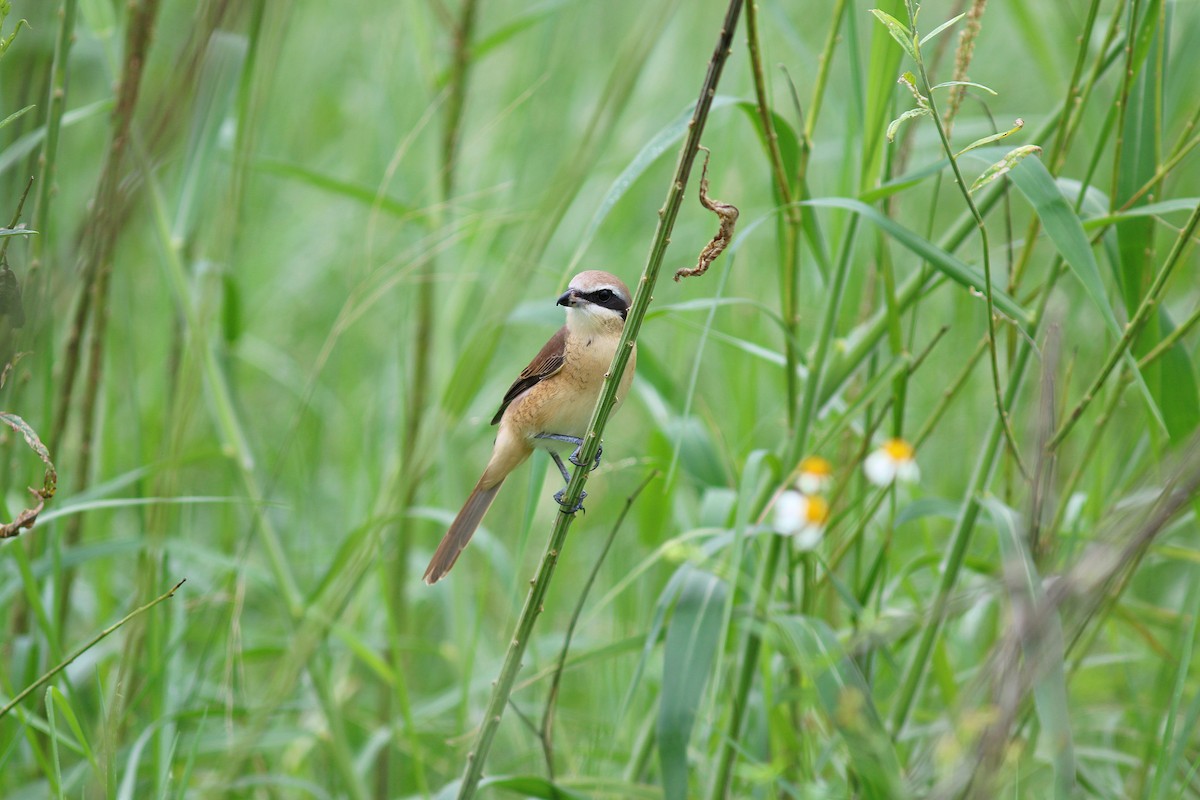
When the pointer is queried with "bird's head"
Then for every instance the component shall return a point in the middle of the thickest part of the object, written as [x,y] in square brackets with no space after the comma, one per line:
[596,299]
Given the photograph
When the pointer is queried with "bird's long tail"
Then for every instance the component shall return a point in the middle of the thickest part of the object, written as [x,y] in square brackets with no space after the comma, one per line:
[461,530]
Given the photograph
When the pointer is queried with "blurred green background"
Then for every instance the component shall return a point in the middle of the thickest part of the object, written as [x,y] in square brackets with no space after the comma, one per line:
[282,394]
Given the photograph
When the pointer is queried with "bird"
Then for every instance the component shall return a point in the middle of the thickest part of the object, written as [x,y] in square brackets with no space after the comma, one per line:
[550,404]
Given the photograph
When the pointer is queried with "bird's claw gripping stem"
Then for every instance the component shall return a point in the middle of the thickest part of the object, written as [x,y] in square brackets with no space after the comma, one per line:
[558,498]
[574,457]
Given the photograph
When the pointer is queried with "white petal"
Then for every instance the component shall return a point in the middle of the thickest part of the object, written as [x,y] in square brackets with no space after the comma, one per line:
[908,472]
[790,511]
[812,483]
[808,537]
[880,468]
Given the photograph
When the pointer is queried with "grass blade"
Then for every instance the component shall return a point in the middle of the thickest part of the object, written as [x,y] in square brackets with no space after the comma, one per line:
[947,264]
[688,654]
[846,700]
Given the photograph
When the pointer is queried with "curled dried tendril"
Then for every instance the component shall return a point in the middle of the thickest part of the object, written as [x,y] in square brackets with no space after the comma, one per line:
[28,517]
[728,214]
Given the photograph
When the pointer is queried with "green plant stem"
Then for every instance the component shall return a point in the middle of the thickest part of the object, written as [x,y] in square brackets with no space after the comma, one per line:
[1170,339]
[1001,407]
[1073,91]
[822,79]
[55,107]
[546,730]
[763,589]
[33,687]
[102,232]
[1132,329]
[790,266]
[960,537]
[748,664]
[604,406]
[1085,458]
[1122,104]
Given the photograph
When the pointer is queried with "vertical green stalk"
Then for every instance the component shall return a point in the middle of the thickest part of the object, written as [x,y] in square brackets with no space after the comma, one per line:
[502,689]
[102,232]
[822,79]
[935,117]
[790,266]
[748,664]
[418,385]
[55,106]
[964,526]
[1132,329]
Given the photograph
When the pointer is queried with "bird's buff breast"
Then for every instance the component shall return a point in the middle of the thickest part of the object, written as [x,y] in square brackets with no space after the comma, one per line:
[563,403]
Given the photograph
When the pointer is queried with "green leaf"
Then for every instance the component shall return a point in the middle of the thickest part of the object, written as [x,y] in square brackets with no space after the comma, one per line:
[846,700]
[687,658]
[367,195]
[899,32]
[16,115]
[789,145]
[531,786]
[995,137]
[1065,230]
[68,713]
[895,124]
[902,182]
[220,73]
[947,84]
[1003,166]
[941,28]
[1149,210]
[16,152]
[942,261]
[1177,391]
[1138,164]
[16,232]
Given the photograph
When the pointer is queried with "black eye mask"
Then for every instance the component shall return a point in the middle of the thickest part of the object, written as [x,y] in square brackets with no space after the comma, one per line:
[607,298]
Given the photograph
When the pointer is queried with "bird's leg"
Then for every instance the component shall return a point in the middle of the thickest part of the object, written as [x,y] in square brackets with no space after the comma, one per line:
[575,440]
[561,466]
[558,496]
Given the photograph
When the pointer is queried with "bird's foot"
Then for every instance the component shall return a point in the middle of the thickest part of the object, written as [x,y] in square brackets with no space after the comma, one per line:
[574,457]
[558,498]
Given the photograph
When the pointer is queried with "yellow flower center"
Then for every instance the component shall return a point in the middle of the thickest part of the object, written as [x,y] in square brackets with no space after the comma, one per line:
[815,465]
[816,511]
[898,450]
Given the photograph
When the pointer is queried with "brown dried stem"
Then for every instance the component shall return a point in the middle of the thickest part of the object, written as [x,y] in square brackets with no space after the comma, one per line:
[724,235]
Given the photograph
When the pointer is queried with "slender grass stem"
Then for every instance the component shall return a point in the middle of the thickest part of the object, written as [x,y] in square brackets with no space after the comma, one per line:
[823,62]
[54,114]
[33,687]
[790,265]
[477,757]
[546,729]
[960,537]
[1132,329]
[935,117]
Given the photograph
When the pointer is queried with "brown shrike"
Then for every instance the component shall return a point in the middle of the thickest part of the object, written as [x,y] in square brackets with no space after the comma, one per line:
[551,403]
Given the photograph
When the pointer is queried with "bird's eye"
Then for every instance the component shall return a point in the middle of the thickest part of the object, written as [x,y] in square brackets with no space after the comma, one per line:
[604,295]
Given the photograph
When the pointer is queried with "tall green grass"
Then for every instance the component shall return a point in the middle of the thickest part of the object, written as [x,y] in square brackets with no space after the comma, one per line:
[279,284]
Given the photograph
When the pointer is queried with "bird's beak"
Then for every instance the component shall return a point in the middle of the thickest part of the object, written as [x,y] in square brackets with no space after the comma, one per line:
[567,298]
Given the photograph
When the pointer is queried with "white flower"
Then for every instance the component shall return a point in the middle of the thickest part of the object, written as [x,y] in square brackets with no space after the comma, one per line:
[815,475]
[894,461]
[802,517]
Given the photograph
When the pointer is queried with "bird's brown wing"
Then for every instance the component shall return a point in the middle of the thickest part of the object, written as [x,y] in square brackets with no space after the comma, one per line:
[548,361]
